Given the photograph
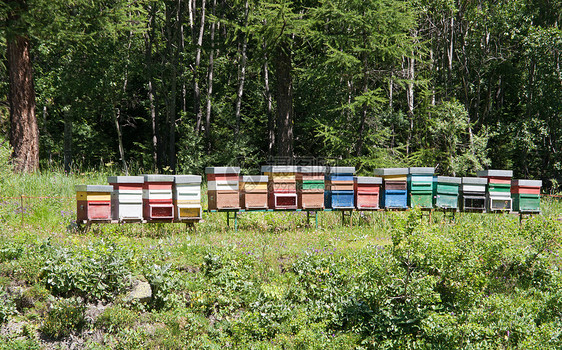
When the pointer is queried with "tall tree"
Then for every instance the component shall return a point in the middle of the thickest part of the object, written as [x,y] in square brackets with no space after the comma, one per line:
[24,132]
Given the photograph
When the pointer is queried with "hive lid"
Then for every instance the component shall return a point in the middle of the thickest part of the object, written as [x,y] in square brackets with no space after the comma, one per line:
[391,171]
[311,169]
[369,180]
[474,180]
[222,170]
[449,179]
[421,170]
[94,188]
[527,183]
[279,169]
[158,178]
[496,173]
[187,179]
[125,179]
[341,170]
[255,178]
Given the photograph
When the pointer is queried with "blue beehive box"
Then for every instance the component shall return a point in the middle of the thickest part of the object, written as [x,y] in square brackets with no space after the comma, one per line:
[395,199]
[340,192]
[343,199]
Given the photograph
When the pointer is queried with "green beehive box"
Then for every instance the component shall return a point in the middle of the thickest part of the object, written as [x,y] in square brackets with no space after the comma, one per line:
[421,199]
[446,201]
[526,202]
[447,192]
[493,187]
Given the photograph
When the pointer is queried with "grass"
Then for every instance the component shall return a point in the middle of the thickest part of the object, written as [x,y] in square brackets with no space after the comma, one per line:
[213,278]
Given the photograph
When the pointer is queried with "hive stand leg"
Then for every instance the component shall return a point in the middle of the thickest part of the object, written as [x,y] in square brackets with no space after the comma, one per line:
[228,219]
[235,221]
[307,218]
[316,218]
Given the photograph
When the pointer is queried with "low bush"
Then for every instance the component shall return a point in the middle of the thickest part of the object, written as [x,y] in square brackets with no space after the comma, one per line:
[98,272]
[64,317]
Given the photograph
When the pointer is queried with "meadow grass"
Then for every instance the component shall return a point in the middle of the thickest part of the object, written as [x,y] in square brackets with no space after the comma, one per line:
[181,261]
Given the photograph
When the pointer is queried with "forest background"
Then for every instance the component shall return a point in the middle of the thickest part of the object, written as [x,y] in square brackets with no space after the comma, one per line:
[174,86]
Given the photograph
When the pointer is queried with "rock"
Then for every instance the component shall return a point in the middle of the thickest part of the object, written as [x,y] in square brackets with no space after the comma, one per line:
[141,292]
[94,311]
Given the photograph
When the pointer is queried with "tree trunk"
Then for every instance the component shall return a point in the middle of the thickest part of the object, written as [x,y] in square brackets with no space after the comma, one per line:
[242,71]
[210,82]
[67,150]
[196,89]
[284,137]
[149,38]
[24,132]
[120,140]
[270,116]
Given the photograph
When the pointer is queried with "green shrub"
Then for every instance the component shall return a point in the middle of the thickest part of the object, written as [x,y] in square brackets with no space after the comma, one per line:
[64,317]
[98,272]
[7,306]
[20,344]
[115,318]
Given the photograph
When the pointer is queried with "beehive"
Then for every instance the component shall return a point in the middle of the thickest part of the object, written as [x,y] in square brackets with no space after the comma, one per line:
[310,187]
[187,197]
[282,186]
[126,198]
[253,192]
[93,202]
[394,195]
[473,194]
[223,187]
[367,192]
[447,192]
[340,193]
[498,193]
[420,187]
[157,198]
[526,195]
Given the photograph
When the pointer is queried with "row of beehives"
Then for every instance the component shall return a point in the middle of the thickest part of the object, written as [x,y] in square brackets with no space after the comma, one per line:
[178,198]
[141,198]
[318,188]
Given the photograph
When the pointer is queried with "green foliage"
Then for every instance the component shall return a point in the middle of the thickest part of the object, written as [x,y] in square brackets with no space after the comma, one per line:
[65,317]
[116,318]
[7,306]
[97,272]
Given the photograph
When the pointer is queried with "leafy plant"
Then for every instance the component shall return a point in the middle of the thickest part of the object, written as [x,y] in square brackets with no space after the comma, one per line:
[64,317]
[98,272]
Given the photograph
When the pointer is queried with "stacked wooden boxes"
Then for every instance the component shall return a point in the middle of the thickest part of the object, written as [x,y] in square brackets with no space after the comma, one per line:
[310,187]
[395,194]
[157,197]
[126,198]
[223,187]
[253,192]
[367,192]
[498,194]
[340,192]
[473,194]
[526,195]
[93,202]
[282,186]
[420,187]
[187,197]
[447,192]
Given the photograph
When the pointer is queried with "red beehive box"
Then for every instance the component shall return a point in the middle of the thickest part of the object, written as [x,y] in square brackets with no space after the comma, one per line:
[157,197]
[223,188]
[367,192]
[282,186]
[526,187]
[93,202]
